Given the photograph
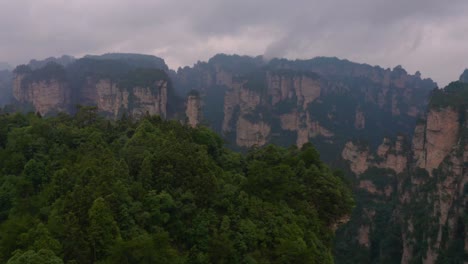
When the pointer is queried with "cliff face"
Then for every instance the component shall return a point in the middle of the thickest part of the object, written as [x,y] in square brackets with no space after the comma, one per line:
[251,133]
[434,141]
[193,110]
[326,101]
[45,96]
[247,108]
[427,194]
[440,188]
[390,155]
[147,101]
[137,101]
[105,95]
[114,88]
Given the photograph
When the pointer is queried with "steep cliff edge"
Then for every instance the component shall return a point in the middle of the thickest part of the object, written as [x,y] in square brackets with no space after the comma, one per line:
[193,109]
[422,191]
[115,87]
[439,135]
[45,89]
[434,195]
[326,101]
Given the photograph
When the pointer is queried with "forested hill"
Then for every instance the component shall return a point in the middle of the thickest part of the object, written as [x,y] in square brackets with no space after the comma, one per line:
[81,189]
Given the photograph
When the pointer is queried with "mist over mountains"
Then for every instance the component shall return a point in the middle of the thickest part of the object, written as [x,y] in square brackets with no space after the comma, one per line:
[400,140]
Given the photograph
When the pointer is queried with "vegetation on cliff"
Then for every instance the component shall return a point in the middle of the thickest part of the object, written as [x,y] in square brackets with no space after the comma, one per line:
[81,189]
[464,76]
[348,99]
[454,95]
[6,90]
[415,216]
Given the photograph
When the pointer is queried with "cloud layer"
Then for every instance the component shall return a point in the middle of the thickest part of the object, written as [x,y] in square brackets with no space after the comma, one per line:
[426,35]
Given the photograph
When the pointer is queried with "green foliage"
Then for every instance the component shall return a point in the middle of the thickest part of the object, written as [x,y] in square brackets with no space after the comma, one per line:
[51,71]
[454,95]
[374,211]
[235,63]
[194,93]
[32,257]
[256,82]
[143,78]
[134,60]
[83,189]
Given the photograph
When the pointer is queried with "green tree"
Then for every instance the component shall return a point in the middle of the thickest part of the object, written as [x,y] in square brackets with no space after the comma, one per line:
[42,256]
[103,231]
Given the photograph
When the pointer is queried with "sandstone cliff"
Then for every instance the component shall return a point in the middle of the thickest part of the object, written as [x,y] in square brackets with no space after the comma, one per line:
[46,96]
[247,108]
[389,155]
[439,181]
[425,201]
[323,100]
[434,141]
[55,88]
[193,110]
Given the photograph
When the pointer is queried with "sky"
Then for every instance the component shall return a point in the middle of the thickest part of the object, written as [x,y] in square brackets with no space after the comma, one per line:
[430,36]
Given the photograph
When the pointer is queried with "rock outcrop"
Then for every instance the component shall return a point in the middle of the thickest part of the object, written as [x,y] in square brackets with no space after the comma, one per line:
[440,149]
[242,101]
[357,156]
[45,96]
[193,110]
[434,141]
[428,201]
[390,155]
[322,100]
[251,133]
[54,88]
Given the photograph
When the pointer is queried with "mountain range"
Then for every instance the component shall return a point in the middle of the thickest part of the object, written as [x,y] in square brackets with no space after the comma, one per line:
[401,140]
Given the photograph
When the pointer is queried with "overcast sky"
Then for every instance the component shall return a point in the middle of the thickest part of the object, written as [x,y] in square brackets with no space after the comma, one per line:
[426,35]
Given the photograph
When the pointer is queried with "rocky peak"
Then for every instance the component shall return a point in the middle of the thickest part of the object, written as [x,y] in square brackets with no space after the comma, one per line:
[193,109]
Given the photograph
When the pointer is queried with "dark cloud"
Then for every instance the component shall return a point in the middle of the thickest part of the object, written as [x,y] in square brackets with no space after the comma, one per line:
[425,35]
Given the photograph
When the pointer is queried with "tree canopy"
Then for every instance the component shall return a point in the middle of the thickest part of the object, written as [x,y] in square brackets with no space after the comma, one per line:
[82,189]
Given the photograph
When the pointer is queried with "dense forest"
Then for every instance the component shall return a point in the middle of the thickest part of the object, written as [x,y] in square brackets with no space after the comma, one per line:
[83,189]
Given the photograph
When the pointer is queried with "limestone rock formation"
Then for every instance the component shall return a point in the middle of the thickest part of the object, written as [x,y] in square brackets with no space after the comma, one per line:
[54,88]
[45,96]
[252,133]
[427,195]
[322,100]
[390,155]
[438,138]
[193,110]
